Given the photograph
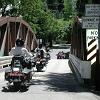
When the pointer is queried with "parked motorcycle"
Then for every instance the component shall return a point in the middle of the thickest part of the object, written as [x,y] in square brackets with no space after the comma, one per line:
[19,73]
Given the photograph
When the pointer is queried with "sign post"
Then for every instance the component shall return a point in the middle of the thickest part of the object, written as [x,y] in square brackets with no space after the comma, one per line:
[93,10]
[90,23]
[92,44]
[99,38]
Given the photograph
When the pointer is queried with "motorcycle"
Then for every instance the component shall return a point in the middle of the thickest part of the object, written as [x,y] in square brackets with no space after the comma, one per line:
[60,55]
[40,63]
[47,57]
[19,72]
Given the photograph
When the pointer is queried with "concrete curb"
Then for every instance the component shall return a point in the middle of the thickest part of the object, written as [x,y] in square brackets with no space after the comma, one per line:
[76,72]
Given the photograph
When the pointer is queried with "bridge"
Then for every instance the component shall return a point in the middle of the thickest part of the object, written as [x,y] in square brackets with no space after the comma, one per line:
[84,54]
[12,28]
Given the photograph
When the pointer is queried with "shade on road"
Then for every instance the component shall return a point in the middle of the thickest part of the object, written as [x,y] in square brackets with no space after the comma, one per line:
[57,82]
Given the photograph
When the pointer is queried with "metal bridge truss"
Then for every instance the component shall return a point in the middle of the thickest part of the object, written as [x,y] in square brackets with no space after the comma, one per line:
[12,28]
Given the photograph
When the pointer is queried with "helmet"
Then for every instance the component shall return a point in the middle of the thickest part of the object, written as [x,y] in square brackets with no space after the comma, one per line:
[20,42]
[40,46]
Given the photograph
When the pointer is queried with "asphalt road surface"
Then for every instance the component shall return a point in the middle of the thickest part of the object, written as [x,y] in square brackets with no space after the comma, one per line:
[56,82]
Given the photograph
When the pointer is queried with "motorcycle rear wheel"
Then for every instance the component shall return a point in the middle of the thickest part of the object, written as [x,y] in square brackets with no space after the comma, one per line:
[39,69]
[16,84]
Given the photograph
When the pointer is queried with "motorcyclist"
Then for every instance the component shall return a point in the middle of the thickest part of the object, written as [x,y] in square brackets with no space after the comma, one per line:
[40,51]
[47,48]
[19,49]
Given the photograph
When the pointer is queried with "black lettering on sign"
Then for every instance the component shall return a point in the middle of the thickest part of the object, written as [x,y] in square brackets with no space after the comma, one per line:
[94,32]
[92,37]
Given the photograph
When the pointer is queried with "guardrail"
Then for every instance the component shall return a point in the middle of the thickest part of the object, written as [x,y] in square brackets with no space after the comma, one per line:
[83,67]
[5,61]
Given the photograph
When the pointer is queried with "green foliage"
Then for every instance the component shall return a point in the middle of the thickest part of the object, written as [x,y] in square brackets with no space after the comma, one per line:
[68,9]
[4,5]
[62,30]
[40,18]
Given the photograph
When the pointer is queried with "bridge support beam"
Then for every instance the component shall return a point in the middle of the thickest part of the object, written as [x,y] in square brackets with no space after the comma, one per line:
[12,28]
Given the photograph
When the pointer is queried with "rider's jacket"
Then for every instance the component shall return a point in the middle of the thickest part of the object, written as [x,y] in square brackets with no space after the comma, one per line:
[20,51]
[41,52]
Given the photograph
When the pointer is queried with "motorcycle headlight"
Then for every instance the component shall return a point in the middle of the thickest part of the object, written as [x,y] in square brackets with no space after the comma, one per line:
[37,62]
[16,69]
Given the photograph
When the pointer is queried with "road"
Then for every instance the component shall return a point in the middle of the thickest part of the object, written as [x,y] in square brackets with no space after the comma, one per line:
[56,82]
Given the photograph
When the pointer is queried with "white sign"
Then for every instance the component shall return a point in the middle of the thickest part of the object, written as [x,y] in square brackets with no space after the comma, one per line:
[92,10]
[90,22]
[91,34]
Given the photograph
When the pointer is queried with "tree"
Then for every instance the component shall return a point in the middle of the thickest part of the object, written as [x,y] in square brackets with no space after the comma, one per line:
[68,10]
[5,5]
[80,7]
[40,18]
[9,7]
[60,5]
